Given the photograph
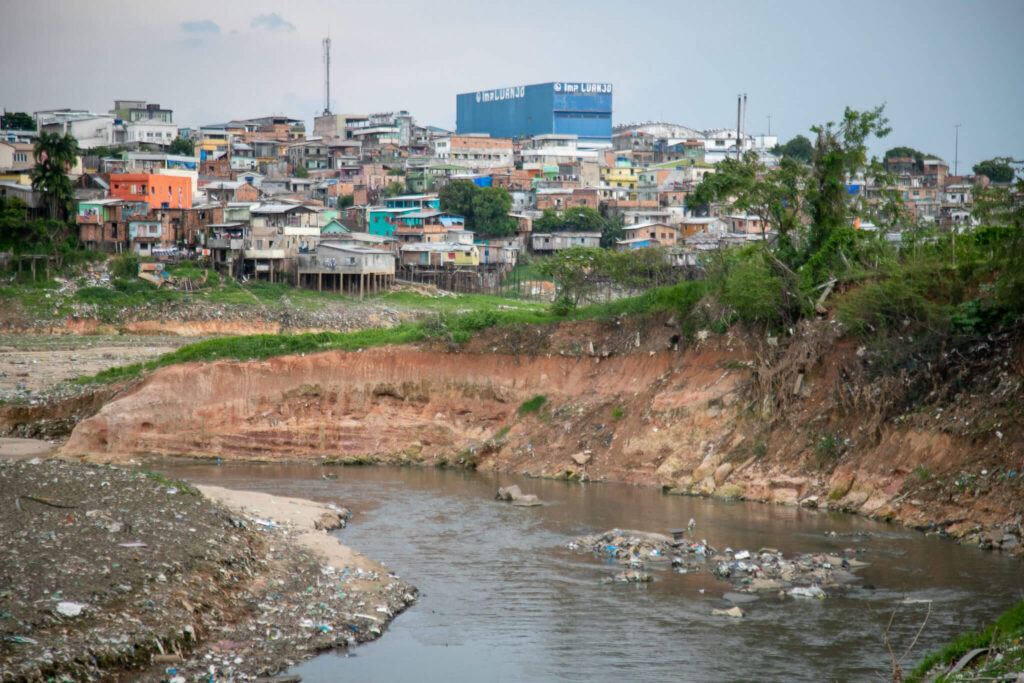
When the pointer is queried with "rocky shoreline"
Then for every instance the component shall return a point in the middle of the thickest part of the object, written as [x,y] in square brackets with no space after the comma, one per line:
[120,574]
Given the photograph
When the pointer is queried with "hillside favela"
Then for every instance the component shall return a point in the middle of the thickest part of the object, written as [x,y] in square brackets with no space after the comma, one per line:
[570,341]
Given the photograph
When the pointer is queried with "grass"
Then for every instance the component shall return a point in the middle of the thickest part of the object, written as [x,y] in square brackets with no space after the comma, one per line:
[1005,635]
[179,484]
[457,327]
[617,413]
[453,304]
[533,405]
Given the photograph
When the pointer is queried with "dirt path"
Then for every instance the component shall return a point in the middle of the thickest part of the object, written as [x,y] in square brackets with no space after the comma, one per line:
[25,449]
[35,364]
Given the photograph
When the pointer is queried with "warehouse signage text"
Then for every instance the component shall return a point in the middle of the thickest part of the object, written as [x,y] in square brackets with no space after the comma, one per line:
[501,94]
[584,88]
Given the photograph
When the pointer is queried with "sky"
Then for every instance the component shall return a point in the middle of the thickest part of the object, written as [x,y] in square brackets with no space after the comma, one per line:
[933,63]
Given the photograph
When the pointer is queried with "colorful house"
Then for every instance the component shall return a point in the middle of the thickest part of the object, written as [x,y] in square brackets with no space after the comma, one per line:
[436,254]
[648,235]
[159,191]
[145,236]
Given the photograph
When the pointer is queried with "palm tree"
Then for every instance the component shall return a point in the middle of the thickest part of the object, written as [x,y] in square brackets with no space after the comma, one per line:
[54,154]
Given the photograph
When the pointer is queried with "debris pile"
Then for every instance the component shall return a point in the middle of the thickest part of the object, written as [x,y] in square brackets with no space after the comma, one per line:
[107,569]
[802,575]
[513,494]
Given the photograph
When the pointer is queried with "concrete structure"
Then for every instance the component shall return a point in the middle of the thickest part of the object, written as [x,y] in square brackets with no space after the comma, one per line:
[89,129]
[16,156]
[581,109]
[549,242]
[131,111]
[474,151]
[147,132]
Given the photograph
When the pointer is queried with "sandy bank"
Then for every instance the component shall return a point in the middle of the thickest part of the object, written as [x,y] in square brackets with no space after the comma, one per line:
[307,520]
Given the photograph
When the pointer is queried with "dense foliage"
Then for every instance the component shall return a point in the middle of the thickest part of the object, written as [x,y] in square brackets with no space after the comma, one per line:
[799,148]
[998,170]
[485,209]
[54,155]
[182,146]
[17,120]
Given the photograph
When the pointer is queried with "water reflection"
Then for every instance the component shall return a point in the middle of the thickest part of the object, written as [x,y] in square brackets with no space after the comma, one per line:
[504,599]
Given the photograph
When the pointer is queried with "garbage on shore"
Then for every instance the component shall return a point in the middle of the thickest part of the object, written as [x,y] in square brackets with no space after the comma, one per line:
[108,569]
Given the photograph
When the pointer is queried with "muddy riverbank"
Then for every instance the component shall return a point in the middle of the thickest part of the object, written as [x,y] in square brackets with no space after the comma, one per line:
[120,574]
[689,421]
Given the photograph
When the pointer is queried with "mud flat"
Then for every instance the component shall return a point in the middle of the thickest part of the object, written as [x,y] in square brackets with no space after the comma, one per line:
[112,571]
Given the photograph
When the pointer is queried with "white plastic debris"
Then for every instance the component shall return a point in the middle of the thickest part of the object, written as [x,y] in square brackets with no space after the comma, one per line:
[70,609]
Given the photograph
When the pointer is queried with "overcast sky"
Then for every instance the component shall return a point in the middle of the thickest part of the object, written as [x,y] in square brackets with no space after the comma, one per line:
[934,63]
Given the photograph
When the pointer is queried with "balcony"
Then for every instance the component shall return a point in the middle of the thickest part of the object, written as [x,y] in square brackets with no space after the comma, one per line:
[264,253]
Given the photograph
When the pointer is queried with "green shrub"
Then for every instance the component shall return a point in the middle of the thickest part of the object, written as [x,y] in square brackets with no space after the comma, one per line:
[533,405]
[753,290]
[125,266]
[827,450]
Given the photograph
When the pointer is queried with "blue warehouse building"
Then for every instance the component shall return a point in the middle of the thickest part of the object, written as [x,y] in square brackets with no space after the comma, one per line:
[581,109]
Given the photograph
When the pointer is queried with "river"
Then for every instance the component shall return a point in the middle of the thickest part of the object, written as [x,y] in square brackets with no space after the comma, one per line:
[504,599]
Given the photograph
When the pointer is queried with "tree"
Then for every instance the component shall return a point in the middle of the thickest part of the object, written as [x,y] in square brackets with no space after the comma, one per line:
[549,221]
[799,148]
[457,198]
[54,154]
[581,219]
[998,170]
[13,223]
[393,189]
[303,172]
[611,231]
[840,150]
[345,201]
[396,171]
[182,146]
[17,120]
[1000,205]
[775,196]
[571,270]
[490,212]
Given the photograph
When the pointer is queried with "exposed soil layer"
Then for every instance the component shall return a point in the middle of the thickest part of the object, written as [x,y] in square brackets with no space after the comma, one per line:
[801,420]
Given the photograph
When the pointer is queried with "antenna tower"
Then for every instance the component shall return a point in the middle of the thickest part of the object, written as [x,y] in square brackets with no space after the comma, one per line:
[327,76]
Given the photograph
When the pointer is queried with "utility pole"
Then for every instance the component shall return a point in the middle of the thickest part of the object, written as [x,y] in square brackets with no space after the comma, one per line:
[744,120]
[956,151]
[739,113]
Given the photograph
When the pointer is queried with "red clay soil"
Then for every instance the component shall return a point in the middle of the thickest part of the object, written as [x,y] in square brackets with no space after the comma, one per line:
[731,417]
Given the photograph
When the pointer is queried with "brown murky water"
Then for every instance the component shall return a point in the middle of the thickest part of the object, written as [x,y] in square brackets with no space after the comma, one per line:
[503,599]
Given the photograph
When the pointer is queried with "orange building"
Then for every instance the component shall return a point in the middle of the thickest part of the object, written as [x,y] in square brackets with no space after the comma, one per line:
[159,191]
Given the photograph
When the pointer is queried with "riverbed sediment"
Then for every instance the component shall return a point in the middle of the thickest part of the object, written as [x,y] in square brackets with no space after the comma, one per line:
[119,574]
